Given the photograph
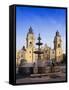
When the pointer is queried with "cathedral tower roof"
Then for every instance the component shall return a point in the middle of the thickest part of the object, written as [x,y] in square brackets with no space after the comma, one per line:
[23,48]
[57,33]
[30,30]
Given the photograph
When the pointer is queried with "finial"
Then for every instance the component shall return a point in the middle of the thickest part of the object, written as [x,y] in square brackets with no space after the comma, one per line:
[39,38]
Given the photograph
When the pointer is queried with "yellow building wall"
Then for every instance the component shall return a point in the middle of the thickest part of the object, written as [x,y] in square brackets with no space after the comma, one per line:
[30,56]
[59,54]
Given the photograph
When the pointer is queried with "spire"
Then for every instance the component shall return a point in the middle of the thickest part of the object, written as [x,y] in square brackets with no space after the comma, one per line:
[30,30]
[57,33]
[23,48]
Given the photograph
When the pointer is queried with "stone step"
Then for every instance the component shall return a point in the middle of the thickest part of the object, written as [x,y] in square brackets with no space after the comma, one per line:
[46,74]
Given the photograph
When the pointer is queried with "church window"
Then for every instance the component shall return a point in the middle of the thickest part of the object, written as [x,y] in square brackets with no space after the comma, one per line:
[29,51]
[30,42]
[58,45]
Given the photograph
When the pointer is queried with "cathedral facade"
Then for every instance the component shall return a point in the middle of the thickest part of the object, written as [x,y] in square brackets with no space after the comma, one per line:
[27,52]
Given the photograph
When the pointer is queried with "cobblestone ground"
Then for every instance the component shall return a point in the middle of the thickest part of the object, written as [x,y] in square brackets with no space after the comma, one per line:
[48,77]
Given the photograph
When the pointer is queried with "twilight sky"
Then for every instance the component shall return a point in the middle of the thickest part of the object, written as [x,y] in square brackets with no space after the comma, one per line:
[45,21]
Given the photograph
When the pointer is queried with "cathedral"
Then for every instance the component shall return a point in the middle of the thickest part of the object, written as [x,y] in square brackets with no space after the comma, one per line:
[27,52]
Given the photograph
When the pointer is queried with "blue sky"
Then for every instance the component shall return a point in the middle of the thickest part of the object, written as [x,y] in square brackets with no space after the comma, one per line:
[45,21]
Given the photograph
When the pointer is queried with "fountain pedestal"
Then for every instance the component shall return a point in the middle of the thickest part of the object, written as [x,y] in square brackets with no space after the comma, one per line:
[39,68]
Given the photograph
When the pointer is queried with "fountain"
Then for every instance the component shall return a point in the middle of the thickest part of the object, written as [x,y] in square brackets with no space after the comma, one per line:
[40,68]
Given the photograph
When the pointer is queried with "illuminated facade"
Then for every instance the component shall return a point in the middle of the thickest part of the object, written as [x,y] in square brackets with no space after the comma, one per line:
[27,52]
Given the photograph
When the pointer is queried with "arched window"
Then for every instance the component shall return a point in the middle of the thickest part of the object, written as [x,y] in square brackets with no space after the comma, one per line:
[58,45]
[30,42]
[29,51]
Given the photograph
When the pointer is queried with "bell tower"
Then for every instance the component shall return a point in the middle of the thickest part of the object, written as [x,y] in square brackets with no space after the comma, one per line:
[30,38]
[30,42]
[58,47]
